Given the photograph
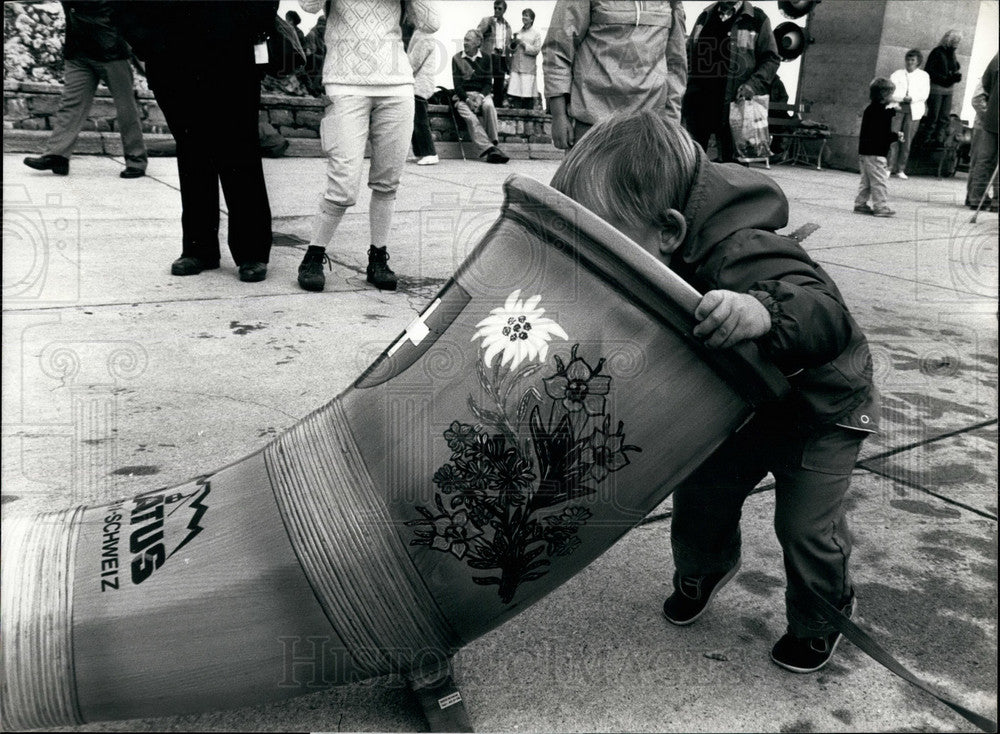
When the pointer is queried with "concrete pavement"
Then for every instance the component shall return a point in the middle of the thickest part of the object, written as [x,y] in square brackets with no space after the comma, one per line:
[197,372]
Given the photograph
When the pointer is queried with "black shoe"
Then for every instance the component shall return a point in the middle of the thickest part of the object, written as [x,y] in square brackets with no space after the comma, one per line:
[132,173]
[379,274]
[807,654]
[311,276]
[443,706]
[190,266]
[692,595]
[253,272]
[495,155]
[55,163]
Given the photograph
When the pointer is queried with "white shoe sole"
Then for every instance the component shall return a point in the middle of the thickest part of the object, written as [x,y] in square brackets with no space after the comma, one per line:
[722,582]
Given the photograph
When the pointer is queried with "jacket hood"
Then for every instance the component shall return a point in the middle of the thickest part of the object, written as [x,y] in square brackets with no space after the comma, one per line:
[724,199]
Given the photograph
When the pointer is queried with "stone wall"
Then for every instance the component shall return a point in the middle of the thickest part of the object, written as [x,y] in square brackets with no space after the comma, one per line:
[31,106]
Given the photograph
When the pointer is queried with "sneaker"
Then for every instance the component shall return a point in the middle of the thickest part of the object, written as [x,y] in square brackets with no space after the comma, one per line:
[132,173]
[863,209]
[379,274]
[807,654]
[901,176]
[428,160]
[58,164]
[443,706]
[692,595]
[311,276]
[884,212]
[185,265]
[253,272]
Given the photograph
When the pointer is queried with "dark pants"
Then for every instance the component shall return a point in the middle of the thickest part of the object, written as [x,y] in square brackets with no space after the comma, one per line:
[982,164]
[423,143]
[812,471]
[211,109]
[81,79]
[522,103]
[706,118]
[936,119]
[499,78]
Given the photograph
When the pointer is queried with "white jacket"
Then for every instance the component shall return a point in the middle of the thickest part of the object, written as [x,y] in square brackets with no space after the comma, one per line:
[916,85]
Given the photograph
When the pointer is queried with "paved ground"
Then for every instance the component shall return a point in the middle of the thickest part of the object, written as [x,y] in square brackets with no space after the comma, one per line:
[193,373]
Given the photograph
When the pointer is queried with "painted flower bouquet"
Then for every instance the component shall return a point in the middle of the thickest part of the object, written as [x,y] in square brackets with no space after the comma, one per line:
[510,500]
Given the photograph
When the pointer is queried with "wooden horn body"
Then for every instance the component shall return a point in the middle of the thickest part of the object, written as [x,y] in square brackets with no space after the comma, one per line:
[461,478]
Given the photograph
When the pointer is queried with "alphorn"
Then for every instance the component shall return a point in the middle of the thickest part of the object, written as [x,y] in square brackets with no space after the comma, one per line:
[543,403]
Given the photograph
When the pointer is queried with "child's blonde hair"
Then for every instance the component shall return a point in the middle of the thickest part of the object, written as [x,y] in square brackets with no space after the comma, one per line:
[631,168]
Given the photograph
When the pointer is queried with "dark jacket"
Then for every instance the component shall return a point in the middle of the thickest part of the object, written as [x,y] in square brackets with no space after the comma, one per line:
[472,76]
[942,66]
[732,214]
[486,28]
[193,32]
[754,52]
[876,134]
[989,119]
[90,32]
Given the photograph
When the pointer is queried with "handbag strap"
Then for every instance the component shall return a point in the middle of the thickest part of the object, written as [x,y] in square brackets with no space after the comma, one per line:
[866,644]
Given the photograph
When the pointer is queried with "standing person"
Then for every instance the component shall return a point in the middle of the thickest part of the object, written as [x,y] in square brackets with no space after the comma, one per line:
[295,21]
[912,89]
[732,55]
[315,48]
[472,78]
[873,149]
[368,79]
[422,53]
[606,58]
[94,51]
[200,63]
[984,140]
[497,35]
[645,176]
[527,44]
[944,71]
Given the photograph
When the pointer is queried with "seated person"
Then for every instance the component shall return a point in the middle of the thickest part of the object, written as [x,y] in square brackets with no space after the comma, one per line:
[472,72]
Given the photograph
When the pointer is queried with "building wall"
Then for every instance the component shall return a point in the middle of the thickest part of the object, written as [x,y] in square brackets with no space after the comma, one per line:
[857,40]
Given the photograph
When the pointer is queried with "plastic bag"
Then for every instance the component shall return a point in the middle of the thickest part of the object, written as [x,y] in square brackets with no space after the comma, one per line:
[748,121]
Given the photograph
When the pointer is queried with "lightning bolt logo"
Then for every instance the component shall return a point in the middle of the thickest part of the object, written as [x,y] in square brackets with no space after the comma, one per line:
[199,509]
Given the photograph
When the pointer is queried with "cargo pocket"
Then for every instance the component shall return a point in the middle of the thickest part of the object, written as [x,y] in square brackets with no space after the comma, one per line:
[832,451]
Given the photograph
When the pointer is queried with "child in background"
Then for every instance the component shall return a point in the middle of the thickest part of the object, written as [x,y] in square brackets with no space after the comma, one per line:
[714,225]
[873,150]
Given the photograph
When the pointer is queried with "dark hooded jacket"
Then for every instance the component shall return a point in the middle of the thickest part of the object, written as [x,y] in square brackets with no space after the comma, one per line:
[732,214]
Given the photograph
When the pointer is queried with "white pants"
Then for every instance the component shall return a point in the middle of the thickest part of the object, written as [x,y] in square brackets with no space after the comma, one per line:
[351,121]
[482,138]
[874,181]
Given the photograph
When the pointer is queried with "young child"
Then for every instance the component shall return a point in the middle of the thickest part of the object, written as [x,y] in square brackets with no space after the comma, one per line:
[873,150]
[714,225]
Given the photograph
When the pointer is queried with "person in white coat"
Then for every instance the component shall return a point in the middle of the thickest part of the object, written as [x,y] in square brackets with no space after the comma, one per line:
[913,86]
[526,44]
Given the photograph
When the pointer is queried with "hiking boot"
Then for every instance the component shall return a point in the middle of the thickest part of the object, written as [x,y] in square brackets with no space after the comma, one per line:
[186,265]
[311,276]
[692,595]
[807,654]
[58,164]
[379,274]
[863,209]
[253,272]
[884,212]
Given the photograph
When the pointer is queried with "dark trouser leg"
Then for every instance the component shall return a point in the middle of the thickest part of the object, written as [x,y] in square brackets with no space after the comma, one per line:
[80,83]
[811,525]
[118,76]
[981,165]
[233,119]
[705,523]
[499,70]
[423,143]
[185,109]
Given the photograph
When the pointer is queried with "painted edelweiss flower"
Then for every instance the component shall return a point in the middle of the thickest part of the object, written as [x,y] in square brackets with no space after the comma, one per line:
[578,385]
[518,331]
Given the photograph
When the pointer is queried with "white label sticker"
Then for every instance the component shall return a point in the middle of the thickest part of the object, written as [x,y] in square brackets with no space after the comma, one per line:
[450,700]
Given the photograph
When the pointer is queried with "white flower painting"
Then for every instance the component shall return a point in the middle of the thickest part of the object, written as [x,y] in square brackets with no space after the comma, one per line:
[518,331]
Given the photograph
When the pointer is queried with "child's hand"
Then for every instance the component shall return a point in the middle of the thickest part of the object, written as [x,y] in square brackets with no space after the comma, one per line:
[726,318]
